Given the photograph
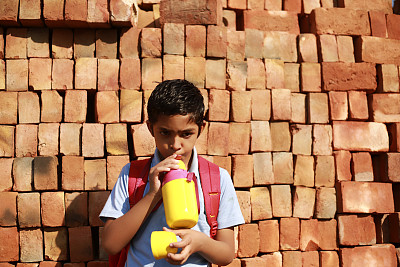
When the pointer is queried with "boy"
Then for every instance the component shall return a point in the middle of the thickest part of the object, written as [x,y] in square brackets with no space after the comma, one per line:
[175,110]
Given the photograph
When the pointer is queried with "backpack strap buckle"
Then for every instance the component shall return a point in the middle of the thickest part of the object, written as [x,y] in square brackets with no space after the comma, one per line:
[214,228]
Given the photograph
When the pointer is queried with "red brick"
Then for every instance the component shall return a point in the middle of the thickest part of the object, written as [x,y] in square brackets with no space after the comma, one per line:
[173,67]
[249,240]
[260,136]
[216,41]
[283,167]
[241,106]
[17,75]
[76,213]
[345,48]
[22,173]
[302,139]
[291,258]
[130,106]
[75,105]
[310,77]
[146,19]
[318,235]
[328,49]
[342,163]
[76,13]
[28,210]
[107,107]
[93,140]
[292,5]
[151,72]
[381,255]
[380,5]
[174,38]
[52,209]
[281,104]
[236,75]
[269,235]
[80,244]
[281,201]
[114,166]
[338,105]
[40,73]
[322,139]
[269,5]
[45,180]
[8,210]
[77,264]
[16,43]
[151,42]
[143,142]
[218,139]
[38,42]
[9,13]
[362,167]
[244,203]
[352,22]
[195,40]
[7,148]
[236,4]
[352,197]
[209,12]
[318,110]
[280,136]
[62,43]
[229,19]
[388,78]
[48,136]
[219,105]
[274,73]
[97,200]
[86,73]
[255,74]
[289,234]
[72,173]
[236,43]
[107,74]
[9,251]
[62,74]
[367,135]
[242,170]
[384,107]
[55,246]
[260,98]
[122,13]
[239,138]
[271,21]
[98,14]
[129,43]
[106,43]
[26,140]
[308,47]
[394,133]
[70,139]
[215,73]
[303,202]
[260,203]
[298,102]
[263,172]
[272,45]
[53,13]
[304,171]
[385,50]
[329,259]
[253,262]
[9,107]
[393,21]
[2,71]
[378,23]
[51,106]
[389,167]
[95,174]
[195,70]
[356,230]
[325,171]
[116,139]
[325,207]
[129,73]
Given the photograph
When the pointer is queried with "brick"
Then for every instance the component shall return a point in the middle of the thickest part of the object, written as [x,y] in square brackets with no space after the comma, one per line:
[106,43]
[16,43]
[244,203]
[76,213]
[62,43]
[281,104]
[318,235]
[2,71]
[382,255]
[9,13]
[93,140]
[310,258]
[388,167]
[107,73]
[9,104]
[53,13]
[269,5]
[388,78]
[255,74]
[209,12]
[356,230]
[302,139]
[345,48]
[95,174]
[338,105]
[378,23]
[304,170]
[289,233]
[130,106]
[151,42]
[76,13]
[26,140]
[318,110]
[195,70]
[9,251]
[219,105]
[97,200]
[17,75]
[7,148]
[380,5]
[362,167]
[22,173]
[391,223]
[80,243]
[86,73]
[283,167]
[329,258]
[325,206]
[260,98]
[173,67]
[239,138]
[273,259]
[48,136]
[143,142]
[342,160]
[252,262]
[236,4]
[291,258]
[229,19]
[236,45]
[151,72]
[325,171]
[8,210]
[242,171]
[287,46]
[146,19]
[263,172]
[236,75]
[129,43]
[129,73]
[114,166]
[322,139]
[40,73]
[298,102]
[292,5]
[384,107]
[280,136]
[394,130]
[174,38]
[386,52]
[122,13]
[249,240]
[116,139]
[366,132]
[75,106]
[310,77]
[303,202]
[73,173]
[215,73]
[352,22]
[271,21]
[52,209]
[45,180]
[272,45]
[260,203]
[392,20]
[308,47]
[28,210]
[281,200]
[195,40]
[269,236]
[274,73]
[38,42]
[84,43]
[240,106]
[51,106]
[6,179]
[260,136]
[55,244]
[70,139]
[254,43]
[62,74]
[107,107]
[327,48]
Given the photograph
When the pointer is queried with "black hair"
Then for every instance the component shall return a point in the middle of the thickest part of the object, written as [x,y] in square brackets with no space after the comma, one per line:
[176,97]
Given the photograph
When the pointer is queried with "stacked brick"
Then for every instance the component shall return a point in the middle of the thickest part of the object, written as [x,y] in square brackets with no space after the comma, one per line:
[303,107]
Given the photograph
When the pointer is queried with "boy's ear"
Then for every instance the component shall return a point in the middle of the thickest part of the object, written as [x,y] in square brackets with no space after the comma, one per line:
[150,127]
[203,125]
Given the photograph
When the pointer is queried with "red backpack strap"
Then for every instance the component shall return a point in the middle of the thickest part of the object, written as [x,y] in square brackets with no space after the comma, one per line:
[210,183]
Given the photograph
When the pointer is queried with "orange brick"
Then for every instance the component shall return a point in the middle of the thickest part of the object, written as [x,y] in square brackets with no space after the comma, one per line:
[283,167]
[55,246]
[129,43]
[289,234]
[274,73]
[272,45]
[242,170]
[130,106]
[40,73]
[75,13]
[303,202]
[280,136]
[298,106]
[342,163]
[195,70]
[236,41]
[116,139]
[239,138]
[51,106]
[62,43]
[106,43]
[391,21]
[318,235]
[97,200]
[260,136]
[362,167]
[216,41]
[260,203]
[218,139]
[9,208]
[95,174]
[255,74]
[76,213]
[107,74]
[249,240]
[2,72]
[146,19]
[173,67]
[16,43]
[281,104]
[73,173]
[26,140]
[52,209]
[70,139]
[84,43]
[378,23]
[382,255]
[356,230]
[304,170]
[195,40]
[50,264]
[318,111]
[48,136]
[80,243]
[114,166]
[28,210]
[93,140]
[394,130]
[17,75]
[310,258]
[129,73]
[382,107]
[75,105]
[215,73]
[322,139]
[143,142]
[291,258]
[77,264]
[9,251]
[244,203]
[22,173]
[219,105]
[9,13]
[28,107]
[302,139]
[273,259]
[388,78]
[53,13]
[328,49]
[308,47]
[338,105]
[107,107]
[325,171]
[292,76]
[236,75]
[9,107]
[269,236]
[253,262]
[241,106]
[7,148]
[345,48]
[254,43]
[263,172]
[260,98]
[174,38]
[38,42]
[281,201]
[223,162]
[310,77]
[45,180]
[86,73]
[236,4]
[122,13]
[62,74]
[30,13]
[151,72]
[151,42]
[271,20]
[329,258]
[358,106]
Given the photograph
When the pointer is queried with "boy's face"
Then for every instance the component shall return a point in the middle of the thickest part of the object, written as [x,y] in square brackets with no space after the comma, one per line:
[175,134]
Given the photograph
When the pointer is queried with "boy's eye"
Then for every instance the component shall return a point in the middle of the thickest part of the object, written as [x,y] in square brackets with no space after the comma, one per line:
[187,135]
[164,133]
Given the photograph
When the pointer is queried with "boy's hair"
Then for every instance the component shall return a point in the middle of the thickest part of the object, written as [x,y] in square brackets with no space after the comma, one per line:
[176,97]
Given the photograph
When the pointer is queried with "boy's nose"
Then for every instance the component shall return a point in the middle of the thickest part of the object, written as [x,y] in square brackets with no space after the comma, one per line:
[176,144]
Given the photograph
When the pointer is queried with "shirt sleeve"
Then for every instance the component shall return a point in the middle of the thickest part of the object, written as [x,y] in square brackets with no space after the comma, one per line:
[118,202]
[229,213]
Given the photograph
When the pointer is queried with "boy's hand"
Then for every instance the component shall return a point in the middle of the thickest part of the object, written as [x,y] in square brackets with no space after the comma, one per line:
[156,173]
[191,243]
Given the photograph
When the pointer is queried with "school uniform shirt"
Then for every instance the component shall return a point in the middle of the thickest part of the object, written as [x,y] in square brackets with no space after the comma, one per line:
[139,253]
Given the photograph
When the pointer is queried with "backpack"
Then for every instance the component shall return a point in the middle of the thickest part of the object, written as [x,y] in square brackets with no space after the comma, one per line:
[210,182]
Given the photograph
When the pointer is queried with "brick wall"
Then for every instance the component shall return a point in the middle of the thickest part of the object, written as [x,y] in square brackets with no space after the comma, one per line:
[303,110]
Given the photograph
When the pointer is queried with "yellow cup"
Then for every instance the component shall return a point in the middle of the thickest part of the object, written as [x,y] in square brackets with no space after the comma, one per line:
[160,241]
